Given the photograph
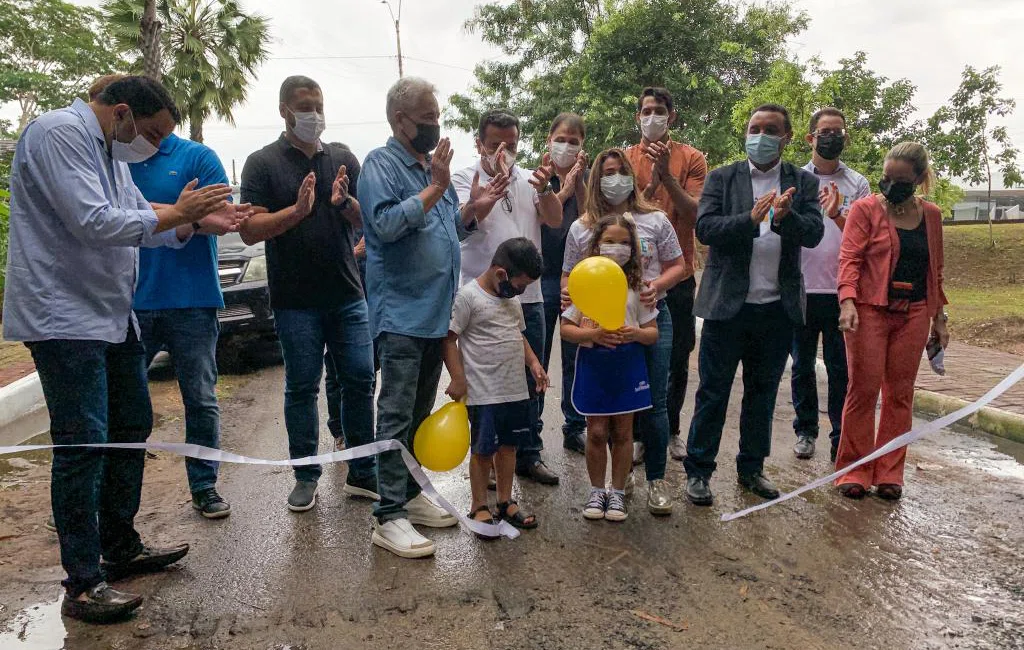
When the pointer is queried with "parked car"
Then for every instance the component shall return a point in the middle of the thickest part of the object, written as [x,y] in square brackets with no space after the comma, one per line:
[243,280]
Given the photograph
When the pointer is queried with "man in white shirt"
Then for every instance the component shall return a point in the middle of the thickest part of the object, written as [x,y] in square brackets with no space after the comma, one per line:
[754,216]
[839,187]
[527,203]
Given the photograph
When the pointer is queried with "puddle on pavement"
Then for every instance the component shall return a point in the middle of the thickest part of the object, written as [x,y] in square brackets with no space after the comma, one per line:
[12,467]
[999,457]
[35,628]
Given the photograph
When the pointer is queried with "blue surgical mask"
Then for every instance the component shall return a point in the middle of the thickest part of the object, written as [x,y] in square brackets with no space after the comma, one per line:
[763,148]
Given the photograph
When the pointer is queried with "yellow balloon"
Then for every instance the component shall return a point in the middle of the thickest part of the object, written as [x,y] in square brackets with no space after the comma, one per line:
[442,441]
[597,286]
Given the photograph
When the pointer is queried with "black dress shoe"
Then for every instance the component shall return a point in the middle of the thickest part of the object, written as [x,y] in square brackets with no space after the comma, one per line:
[698,491]
[804,447]
[539,472]
[575,442]
[149,560]
[102,604]
[759,485]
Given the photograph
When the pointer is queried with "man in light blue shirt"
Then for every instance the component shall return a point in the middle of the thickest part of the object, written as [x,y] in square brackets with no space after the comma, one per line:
[412,223]
[76,222]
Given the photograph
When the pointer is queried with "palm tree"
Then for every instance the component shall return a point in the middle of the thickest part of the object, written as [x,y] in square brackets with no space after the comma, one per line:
[211,51]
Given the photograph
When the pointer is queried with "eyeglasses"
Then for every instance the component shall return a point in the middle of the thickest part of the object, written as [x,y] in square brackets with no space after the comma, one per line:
[823,132]
[506,203]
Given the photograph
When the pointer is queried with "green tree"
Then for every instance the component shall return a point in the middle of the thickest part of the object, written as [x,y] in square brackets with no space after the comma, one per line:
[212,52]
[593,57]
[50,51]
[964,141]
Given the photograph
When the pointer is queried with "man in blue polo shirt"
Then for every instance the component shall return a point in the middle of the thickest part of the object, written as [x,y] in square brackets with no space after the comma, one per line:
[176,301]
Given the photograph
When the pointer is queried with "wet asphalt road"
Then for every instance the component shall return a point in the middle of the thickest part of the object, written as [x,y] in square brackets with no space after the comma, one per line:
[943,568]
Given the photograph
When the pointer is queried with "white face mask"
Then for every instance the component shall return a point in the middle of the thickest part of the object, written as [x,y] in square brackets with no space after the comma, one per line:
[618,253]
[138,150]
[616,188]
[492,160]
[564,154]
[308,126]
[654,127]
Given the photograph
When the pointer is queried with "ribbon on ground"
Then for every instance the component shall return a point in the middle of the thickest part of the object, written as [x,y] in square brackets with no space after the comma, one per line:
[894,444]
[372,449]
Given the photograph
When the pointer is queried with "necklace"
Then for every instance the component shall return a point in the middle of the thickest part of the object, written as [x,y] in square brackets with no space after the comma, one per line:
[901,209]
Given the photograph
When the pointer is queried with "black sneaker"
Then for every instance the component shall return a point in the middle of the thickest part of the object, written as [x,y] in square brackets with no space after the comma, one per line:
[698,491]
[102,604]
[575,442]
[303,496]
[210,504]
[149,560]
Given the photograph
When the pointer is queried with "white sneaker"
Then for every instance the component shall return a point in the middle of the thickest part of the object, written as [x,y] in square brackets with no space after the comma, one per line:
[399,537]
[424,512]
[638,453]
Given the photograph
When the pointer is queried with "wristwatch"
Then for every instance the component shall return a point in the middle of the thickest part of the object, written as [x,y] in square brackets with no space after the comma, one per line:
[943,316]
[547,190]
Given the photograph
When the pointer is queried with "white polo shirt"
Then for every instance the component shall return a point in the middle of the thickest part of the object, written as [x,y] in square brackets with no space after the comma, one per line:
[767,255]
[515,217]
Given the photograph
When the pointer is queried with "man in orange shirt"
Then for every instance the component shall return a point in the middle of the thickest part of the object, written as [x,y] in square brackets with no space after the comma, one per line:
[671,174]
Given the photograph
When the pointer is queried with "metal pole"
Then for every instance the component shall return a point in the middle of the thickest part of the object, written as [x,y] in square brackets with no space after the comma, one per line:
[398,32]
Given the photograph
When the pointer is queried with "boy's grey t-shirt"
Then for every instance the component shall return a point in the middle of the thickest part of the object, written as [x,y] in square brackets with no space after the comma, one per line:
[490,331]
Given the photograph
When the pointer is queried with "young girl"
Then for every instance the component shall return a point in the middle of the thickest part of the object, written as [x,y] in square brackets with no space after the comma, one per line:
[612,191]
[611,374]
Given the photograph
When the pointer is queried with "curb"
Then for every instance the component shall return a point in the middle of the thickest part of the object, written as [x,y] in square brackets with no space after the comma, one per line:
[21,399]
[993,421]
[989,420]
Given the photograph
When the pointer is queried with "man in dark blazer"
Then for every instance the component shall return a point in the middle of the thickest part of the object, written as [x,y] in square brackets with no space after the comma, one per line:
[754,215]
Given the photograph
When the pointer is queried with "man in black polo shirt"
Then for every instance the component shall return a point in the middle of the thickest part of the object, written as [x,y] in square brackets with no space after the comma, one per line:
[308,190]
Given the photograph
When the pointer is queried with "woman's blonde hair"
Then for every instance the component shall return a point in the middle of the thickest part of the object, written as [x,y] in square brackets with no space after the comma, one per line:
[596,206]
[914,154]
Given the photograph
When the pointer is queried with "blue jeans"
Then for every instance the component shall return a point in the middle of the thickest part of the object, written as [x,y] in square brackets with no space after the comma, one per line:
[552,290]
[335,395]
[96,392]
[653,423]
[344,332]
[823,319]
[190,336]
[528,452]
[759,337]
[410,369]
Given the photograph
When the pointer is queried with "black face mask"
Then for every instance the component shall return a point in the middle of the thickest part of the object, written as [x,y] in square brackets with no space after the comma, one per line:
[830,146]
[507,290]
[896,192]
[427,137]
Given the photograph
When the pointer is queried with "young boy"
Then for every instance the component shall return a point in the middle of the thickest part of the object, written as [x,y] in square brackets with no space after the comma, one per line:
[485,354]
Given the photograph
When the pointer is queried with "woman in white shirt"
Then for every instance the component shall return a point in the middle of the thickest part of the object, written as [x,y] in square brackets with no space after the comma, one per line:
[612,190]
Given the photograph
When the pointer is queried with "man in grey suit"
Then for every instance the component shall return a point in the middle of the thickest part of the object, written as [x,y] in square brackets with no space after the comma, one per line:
[754,216]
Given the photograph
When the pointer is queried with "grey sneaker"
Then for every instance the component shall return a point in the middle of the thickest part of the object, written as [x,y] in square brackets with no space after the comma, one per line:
[804,447]
[616,507]
[659,498]
[677,447]
[303,496]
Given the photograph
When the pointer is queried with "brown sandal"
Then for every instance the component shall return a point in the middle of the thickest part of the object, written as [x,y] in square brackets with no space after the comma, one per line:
[852,490]
[890,491]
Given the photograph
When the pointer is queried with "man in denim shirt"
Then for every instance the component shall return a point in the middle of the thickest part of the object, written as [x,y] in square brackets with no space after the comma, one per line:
[412,224]
[76,222]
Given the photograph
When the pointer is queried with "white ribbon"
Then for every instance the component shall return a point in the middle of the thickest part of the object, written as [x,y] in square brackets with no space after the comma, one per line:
[894,444]
[502,528]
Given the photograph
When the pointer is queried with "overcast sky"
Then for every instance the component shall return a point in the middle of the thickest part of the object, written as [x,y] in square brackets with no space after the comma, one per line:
[927,41]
